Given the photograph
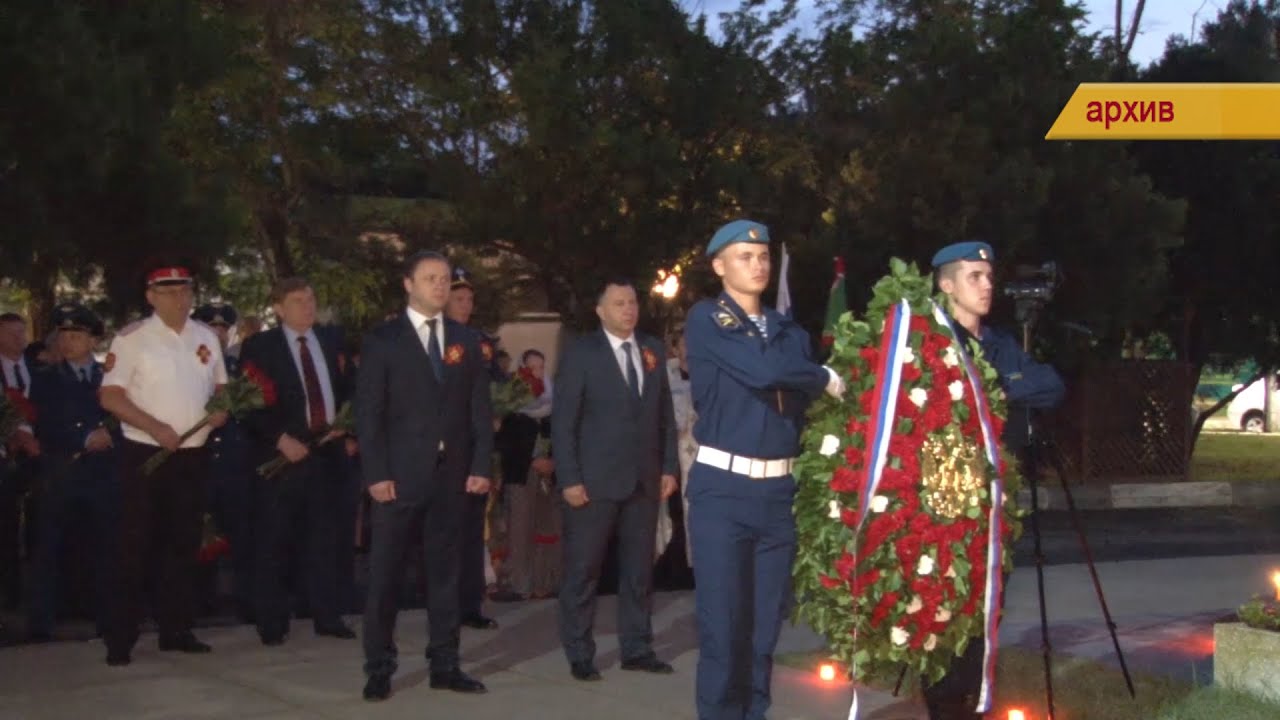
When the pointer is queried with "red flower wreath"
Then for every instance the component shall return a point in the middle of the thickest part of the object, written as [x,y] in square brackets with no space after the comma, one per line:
[909,588]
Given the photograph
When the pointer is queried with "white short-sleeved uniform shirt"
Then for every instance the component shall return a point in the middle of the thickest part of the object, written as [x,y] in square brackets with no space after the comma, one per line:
[168,375]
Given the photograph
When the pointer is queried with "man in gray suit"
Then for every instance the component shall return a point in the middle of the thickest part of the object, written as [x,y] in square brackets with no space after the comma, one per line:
[614,436]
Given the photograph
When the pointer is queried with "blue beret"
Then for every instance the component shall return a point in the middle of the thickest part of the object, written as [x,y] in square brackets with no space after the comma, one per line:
[736,232]
[973,250]
[73,316]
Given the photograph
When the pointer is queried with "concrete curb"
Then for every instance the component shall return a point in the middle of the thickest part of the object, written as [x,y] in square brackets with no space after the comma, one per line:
[1127,496]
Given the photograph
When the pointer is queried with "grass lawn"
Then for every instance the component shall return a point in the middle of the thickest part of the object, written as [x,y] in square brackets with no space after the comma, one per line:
[1087,690]
[1236,456]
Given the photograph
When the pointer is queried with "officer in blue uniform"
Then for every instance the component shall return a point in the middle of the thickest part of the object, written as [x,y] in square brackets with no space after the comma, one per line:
[963,272]
[80,489]
[752,379]
[231,478]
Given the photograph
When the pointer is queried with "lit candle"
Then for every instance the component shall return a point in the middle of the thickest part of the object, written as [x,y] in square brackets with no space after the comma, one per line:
[1017,715]
[827,672]
[1275,580]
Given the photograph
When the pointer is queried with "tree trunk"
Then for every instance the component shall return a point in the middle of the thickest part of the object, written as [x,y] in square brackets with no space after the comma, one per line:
[42,283]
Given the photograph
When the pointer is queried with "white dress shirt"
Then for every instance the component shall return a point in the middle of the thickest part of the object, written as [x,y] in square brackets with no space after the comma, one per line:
[322,368]
[616,343]
[168,375]
[419,322]
[13,369]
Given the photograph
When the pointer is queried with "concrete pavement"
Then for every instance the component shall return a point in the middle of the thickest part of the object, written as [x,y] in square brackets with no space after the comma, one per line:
[1165,610]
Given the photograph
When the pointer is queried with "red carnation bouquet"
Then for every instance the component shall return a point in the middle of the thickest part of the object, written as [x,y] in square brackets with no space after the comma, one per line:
[897,574]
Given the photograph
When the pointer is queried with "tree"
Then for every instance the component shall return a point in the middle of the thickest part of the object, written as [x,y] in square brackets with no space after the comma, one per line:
[1219,310]
[86,178]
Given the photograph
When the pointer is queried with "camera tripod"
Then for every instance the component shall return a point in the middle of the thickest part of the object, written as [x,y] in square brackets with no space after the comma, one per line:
[1039,447]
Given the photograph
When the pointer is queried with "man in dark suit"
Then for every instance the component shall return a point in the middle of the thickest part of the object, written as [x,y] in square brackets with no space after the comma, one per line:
[304,383]
[614,434]
[426,437]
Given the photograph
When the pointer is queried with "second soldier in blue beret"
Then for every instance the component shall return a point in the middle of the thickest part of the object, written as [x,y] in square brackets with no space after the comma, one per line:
[963,272]
[752,379]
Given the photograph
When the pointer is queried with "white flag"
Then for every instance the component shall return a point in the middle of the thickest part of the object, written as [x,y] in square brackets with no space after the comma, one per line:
[784,288]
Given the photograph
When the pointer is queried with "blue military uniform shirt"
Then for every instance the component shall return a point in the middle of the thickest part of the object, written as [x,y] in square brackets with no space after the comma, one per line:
[750,392]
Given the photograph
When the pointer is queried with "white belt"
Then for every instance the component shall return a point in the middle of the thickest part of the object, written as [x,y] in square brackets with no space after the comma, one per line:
[751,467]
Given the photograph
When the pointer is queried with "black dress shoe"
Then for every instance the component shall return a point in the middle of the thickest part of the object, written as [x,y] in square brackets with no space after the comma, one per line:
[480,622]
[457,681]
[118,658]
[648,663]
[584,671]
[340,631]
[378,687]
[185,644]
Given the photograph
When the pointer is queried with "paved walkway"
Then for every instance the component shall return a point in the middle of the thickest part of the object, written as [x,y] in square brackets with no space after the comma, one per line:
[1165,610]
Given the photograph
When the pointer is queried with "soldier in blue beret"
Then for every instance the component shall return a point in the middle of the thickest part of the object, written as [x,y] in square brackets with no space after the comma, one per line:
[963,272]
[752,378]
[230,477]
[80,492]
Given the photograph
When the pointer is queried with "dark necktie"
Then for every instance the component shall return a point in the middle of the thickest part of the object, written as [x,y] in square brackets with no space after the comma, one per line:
[84,375]
[18,380]
[433,349]
[633,378]
[311,380]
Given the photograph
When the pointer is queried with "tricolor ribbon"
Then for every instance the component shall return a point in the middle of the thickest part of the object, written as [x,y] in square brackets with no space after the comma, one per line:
[893,347]
[995,550]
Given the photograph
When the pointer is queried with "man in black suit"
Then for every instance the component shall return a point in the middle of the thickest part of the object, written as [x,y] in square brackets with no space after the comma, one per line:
[305,383]
[426,437]
[614,433]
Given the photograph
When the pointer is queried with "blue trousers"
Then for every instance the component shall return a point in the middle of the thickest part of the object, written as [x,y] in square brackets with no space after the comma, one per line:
[744,542]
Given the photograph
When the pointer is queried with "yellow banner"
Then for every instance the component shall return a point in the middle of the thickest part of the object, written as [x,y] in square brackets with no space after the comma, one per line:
[1170,111]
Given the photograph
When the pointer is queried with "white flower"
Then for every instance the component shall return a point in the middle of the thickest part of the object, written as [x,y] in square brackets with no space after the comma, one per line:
[973,500]
[951,358]
[908,355]
[879,503]
[899,636]
[951,572]
[926,565]
[930,642]
[942,615]
[834,510]
[830,444]
[957,390]
[918,396]
[916,605]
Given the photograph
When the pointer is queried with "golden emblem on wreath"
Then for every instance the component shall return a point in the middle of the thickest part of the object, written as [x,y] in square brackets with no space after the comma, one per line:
[953,472]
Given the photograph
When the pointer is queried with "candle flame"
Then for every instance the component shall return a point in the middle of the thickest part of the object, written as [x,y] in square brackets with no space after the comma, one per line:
[1275,580]
[827,672]
[1017,715]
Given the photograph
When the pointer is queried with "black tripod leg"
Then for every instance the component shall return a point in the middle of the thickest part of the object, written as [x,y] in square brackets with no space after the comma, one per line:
[1045,645]
[1093,572]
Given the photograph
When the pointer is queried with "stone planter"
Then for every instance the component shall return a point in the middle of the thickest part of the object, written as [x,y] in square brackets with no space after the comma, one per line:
[1247,660]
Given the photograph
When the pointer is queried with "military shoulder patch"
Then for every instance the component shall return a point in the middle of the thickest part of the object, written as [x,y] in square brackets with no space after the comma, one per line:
[725,319]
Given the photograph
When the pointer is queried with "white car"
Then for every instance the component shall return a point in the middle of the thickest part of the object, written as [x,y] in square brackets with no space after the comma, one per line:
[1245,411]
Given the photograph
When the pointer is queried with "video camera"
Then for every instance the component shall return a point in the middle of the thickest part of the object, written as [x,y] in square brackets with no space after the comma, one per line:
[1034,283]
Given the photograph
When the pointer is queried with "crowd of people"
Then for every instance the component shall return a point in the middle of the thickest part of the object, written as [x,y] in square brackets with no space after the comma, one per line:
[395,446]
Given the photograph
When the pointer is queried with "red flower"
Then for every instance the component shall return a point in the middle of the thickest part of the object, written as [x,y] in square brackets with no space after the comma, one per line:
[650,360]
[844,566]
[871,355]
[536,386]
[844,480]
[829,582]
[264,383]
[920,323]
[24,406]
[910,373]
[854,456]
[453,354]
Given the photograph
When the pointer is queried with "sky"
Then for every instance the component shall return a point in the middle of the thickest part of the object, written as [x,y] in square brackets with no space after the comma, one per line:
[1160,19]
